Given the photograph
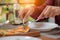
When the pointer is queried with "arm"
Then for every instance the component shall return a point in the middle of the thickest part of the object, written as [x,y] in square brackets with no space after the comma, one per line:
[47,2]
[39,9]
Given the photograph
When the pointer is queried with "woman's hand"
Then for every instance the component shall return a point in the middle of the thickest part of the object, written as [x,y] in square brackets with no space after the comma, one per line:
[49,11]
[25,12]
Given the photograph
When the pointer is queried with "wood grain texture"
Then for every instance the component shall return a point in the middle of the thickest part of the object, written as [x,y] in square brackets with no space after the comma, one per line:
[30,33]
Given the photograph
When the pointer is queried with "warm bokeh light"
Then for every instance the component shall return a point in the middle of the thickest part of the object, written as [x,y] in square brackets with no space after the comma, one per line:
[29,3]
[26,1]
[39,2]
[26,5]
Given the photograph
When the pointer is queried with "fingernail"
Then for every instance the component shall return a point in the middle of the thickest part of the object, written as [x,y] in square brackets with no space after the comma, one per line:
[37,19]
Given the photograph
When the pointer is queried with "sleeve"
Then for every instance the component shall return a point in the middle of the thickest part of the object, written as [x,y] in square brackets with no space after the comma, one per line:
[39,9]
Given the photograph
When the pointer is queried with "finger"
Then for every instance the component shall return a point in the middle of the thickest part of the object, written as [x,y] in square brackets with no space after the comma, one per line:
[41,16]
[21,12]
[29,12]
[52,12]
[56,11]
[47,12]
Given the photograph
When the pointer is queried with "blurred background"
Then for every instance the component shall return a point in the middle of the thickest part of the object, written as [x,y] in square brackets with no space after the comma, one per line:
[8,7]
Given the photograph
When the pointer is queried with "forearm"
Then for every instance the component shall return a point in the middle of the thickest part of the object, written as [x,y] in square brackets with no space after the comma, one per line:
[39,9]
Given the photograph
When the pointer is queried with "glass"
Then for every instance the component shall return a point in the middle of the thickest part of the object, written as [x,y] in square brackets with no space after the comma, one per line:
[15,11]
[0,11]
[2,17]
[22,5]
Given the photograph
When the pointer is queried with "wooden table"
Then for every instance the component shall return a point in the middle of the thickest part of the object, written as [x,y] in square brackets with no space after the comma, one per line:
[43,37]
[49,36]
[46,38]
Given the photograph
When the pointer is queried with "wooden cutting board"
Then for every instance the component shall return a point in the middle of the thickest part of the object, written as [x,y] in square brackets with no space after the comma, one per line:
[32,32]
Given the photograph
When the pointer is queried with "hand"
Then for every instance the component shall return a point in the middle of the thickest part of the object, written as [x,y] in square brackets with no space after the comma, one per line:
[49,11]
[25,12]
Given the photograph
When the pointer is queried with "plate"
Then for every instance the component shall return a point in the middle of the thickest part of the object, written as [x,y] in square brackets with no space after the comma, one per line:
[18,38]
[42,26]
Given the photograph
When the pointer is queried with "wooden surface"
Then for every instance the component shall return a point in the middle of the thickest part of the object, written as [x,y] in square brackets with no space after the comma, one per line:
[30,33]
[37,35]
[46,38]
[34,33]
